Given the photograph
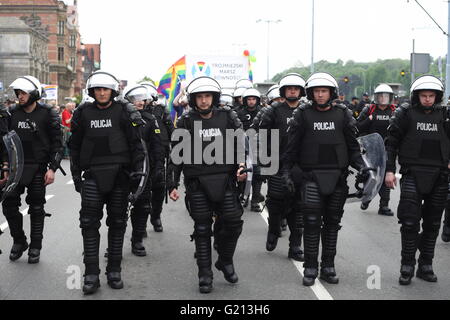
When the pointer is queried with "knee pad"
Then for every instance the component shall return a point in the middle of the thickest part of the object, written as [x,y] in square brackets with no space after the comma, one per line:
[89,222]
[312,219]
[410,226]
[36,211]
[202,230]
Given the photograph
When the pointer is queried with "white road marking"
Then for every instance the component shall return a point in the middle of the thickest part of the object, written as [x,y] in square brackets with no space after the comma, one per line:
[24,212]
[318,289]
[70,182]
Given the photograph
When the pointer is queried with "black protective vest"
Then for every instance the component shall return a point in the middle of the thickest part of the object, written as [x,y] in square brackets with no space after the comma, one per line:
[105,140]
[426,142]
[32,130]
[158,113]
[216,126]
[380,121]
[283,114]
[246,116]
[323,145]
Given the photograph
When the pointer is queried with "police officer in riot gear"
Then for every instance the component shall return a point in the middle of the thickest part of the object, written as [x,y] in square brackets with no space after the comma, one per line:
[322,142]
[418,135]
[159,188]
[210,188]
[140,96]
[374,118]
[237,99]
[39,129]
[273,95]
[251,107]
[281,202]
[105,149]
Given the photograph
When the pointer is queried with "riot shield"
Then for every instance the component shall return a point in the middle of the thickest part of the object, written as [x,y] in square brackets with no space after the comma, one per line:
[16,159]
[374,156]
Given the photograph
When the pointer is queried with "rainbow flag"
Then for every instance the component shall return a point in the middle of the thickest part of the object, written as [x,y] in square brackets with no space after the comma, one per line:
[170,83]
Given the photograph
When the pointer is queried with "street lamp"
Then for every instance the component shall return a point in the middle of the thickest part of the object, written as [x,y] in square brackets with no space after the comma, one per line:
[268,43]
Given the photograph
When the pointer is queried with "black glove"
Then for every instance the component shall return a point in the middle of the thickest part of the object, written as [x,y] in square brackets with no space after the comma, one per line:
[288,182]
[363,175]
[78,182]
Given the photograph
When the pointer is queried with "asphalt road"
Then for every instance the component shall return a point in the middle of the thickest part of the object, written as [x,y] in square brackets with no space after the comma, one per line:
[368,261]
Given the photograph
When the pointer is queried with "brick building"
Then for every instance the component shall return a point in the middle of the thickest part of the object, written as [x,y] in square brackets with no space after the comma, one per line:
[64,43]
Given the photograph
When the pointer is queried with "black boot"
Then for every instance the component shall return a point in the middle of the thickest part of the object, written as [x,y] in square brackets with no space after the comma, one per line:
[272,241]
[91,284]
[284,224]
[296,253]
[34,256]
[329,275]
[157,225]
[227,242]
[137,248]
[257,197]
[115,247]
[406,275]
[17,250]
[385,211]
[365,205]
[114,280]
[205,283]
[255,207]
[310,276]
[446,233]
[425,272]
[274,232]
[202,237]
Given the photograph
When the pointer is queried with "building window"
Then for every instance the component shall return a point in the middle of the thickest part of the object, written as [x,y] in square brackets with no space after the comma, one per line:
[72,41]
[73,62]
[61,54]
[61,27]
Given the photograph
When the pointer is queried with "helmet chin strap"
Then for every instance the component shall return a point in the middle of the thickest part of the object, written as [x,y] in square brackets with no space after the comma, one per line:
[322,106]
[205,112]
[293,99]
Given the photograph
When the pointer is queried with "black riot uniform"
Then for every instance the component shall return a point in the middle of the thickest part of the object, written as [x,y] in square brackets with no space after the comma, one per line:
[105,148]
[159,188]
[420,140]
[323,144]
[211,189]
[247,117]
[41,137]
[379,124]
[280,202]
[142,208]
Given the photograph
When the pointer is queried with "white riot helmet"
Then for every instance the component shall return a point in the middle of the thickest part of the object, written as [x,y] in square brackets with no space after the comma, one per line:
[319,80]
[273,93]
[226,99]
[152,88]
[30,85]
[244,83]
[137,93]
[427,82]
[384,95]
[101,79]
[204,85]
[292,80]
[251,93]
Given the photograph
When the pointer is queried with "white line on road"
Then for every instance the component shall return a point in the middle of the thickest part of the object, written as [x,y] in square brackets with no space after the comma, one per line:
[24,212]
[70,182]
[318,289]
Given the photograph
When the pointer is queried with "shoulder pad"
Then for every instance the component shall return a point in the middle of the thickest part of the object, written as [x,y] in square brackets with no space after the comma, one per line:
[13,108]
[133,114]
[341,106]
[234,119]
[45,106]
[404,106]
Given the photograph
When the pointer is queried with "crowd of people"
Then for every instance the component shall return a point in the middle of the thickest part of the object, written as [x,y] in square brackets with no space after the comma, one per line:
[123,151]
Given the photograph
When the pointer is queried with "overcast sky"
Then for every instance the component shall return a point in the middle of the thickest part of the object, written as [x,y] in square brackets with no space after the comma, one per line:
[142,38]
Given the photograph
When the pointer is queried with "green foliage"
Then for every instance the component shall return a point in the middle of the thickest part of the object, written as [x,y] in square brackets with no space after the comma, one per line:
[146,79]
[365,76]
